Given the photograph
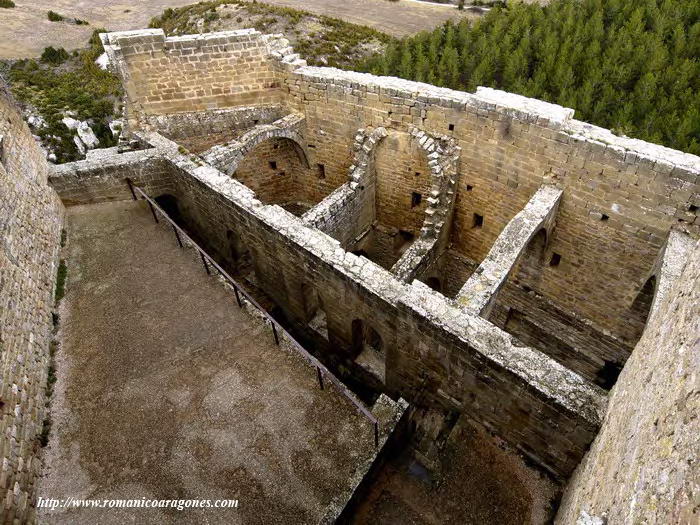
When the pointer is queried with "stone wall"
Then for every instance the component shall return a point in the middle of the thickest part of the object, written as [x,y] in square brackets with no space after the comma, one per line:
[102,176]
[620,196]
[198,131]
[620,199]
[435,354]
[31,216]
[196,72]
[275,172]
[642,467]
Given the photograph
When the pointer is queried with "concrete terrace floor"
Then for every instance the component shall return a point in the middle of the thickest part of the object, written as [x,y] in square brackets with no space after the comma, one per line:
[167,390]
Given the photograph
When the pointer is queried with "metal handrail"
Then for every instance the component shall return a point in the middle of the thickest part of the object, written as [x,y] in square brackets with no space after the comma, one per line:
[321,370]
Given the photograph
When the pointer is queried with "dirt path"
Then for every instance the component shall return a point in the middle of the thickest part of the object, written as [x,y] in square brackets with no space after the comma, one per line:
[25,30]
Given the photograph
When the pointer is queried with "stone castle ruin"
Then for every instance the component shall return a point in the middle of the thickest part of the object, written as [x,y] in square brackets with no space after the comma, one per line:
[482,256]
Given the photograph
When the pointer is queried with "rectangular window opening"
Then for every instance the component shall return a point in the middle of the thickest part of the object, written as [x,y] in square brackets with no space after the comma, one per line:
[273,165]
[416,199]
[470,187]
[555,260]
[321,171]
[604,217]
[478,221]
[451,127]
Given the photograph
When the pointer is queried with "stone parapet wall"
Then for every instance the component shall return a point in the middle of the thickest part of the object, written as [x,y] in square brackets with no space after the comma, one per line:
[103,177]
[31,217]
[190,73]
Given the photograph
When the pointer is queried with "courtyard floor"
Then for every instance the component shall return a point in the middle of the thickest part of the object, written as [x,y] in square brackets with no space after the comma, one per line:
[166,390]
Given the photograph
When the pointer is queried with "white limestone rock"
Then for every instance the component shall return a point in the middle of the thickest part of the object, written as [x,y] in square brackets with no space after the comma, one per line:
[87,136]
[71,123]
[103,61]
[79,144]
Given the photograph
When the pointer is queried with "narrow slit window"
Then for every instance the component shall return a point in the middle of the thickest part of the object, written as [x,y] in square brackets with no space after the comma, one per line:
[478,221]
[416,199]
[555,260]
[321,171]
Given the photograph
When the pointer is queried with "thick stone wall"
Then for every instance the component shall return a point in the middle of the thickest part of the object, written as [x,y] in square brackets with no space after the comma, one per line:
[102,176]
[196,72]
[31,216]
[642,467]
[620,196]
[436,354]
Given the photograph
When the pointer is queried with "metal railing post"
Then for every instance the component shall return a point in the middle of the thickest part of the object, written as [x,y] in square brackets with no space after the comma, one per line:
[274,332]
[153,211]
[177,235]
[204,262]
[131,188]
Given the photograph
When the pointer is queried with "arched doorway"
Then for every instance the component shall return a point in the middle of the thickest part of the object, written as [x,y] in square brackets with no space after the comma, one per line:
[170,206]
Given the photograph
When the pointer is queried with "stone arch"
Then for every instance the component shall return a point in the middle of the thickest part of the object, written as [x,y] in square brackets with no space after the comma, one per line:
[227,157]
[171,206]
[368,349]
[442,156]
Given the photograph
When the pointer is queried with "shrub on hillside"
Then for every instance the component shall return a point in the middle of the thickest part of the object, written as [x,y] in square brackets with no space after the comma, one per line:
[54,17]
[7,3]
[54,56]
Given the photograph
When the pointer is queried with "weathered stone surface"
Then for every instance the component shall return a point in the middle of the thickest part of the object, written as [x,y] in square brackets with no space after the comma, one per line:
[643,466]
[479,292]
[453,170]
[31,216]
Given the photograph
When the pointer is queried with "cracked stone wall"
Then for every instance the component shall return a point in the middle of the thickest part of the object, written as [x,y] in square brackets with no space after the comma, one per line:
[31,217]
[642,467]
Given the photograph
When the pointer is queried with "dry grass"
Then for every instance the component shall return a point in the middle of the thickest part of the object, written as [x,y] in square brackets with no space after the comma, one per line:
[25,30]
